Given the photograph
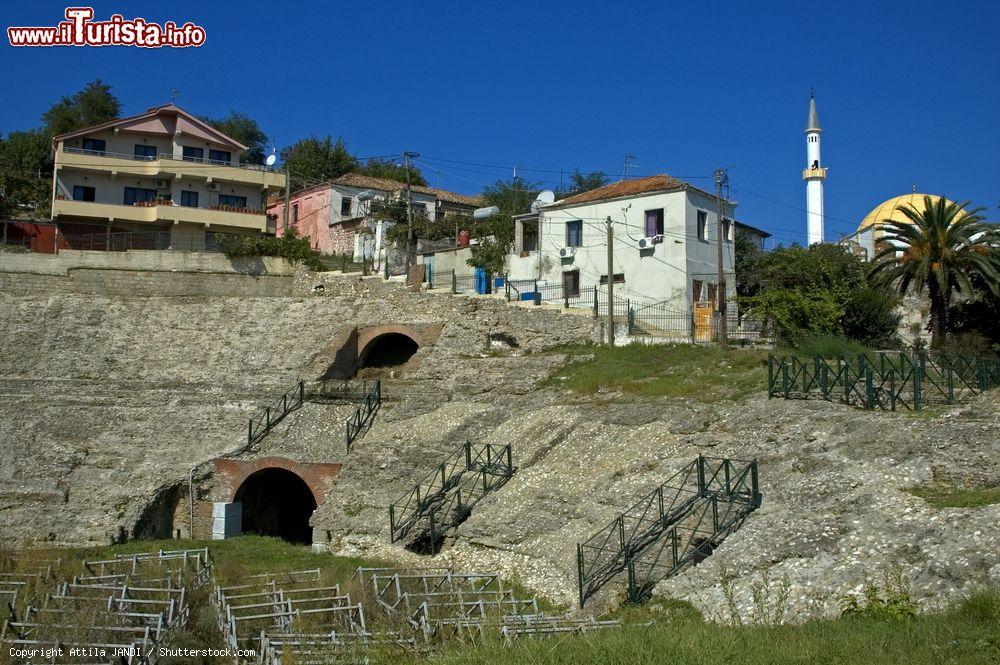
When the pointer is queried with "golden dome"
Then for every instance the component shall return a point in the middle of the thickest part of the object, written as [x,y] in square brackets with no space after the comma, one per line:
[892,209]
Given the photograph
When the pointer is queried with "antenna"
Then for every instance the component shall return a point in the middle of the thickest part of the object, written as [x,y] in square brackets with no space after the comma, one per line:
[174,94]
[629,163]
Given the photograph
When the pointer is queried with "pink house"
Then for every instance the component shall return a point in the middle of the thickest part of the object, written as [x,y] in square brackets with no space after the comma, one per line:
[336,218]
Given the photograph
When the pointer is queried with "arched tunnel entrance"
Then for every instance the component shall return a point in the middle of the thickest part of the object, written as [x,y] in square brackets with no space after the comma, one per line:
[388,350]
[277,502]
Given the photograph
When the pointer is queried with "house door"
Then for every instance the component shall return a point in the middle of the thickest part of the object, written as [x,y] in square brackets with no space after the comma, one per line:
[571,284]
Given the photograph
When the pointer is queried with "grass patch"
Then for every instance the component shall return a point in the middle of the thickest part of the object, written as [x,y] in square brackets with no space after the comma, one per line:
[706,374]
[965,634]
[940,495]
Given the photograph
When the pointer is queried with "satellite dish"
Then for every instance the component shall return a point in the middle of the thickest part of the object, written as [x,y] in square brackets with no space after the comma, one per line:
[271,159]
[545,197]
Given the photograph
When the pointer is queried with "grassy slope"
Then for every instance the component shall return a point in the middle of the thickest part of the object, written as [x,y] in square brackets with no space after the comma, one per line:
[945,496]
[702,373]
[967,634]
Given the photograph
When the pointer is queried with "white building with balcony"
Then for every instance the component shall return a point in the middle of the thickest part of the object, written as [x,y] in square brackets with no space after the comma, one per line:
[665,243]
[165,172]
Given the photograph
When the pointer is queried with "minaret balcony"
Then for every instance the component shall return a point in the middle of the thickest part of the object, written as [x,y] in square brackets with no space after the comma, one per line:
[814,174]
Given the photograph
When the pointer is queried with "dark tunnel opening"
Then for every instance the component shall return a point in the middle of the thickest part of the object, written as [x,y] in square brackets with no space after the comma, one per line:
[388,350]
[276,502]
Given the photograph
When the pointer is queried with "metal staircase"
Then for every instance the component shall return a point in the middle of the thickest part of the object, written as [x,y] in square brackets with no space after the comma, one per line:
[680,522]
[445,497]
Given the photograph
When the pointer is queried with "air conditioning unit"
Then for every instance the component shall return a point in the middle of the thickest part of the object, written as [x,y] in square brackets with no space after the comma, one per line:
[162,184]
[648,243]
[567,252]
[213,187]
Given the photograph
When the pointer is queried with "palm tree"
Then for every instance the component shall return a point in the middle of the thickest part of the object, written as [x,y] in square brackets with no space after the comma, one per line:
[941,247]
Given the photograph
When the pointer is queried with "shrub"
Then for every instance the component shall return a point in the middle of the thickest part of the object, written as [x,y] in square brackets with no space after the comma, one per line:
[891,601]
[289,246]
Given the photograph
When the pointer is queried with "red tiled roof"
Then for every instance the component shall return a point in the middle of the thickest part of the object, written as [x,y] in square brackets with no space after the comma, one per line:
[653,183]
[385,185]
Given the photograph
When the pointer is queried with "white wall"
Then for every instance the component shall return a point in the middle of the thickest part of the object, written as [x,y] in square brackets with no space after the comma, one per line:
[662,274]
[112,190]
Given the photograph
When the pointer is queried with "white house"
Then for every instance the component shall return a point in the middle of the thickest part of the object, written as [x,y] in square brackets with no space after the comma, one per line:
[665,243]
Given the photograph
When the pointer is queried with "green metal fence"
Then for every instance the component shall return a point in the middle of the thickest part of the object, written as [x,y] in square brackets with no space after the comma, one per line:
[362,418]
[678,523]
[445,497]
[273,413]
[885,380]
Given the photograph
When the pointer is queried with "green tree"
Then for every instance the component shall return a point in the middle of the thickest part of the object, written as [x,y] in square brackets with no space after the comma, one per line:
[940,248]
[748,261]
[244,129]
[390,170]
[583,182]
[25,173]
[818,290]
[91,106]
[314,160]
[496,235]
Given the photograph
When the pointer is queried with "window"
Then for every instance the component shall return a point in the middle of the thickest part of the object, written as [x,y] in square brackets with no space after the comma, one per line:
[711,294]
[295,213]
[702,225]
[142,151]
[571,284]
[696,288]
[189,199]
[727,229]
[220,156]
[241,202]
[574,233]
[194,154]
[654,223]
[95,145]
[345,206]
[81,193]
[138,194]
[619,278]
[419,209]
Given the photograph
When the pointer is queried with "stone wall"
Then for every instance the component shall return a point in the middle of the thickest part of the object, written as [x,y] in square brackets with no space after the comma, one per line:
[115,383]
[145,260]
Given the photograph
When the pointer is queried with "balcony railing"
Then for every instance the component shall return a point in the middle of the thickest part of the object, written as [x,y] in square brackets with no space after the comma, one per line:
[153,203]
[151,158]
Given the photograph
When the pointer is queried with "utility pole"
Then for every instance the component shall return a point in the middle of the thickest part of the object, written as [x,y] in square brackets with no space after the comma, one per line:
[288,182]
[721,177]
[611,283]
[407,156]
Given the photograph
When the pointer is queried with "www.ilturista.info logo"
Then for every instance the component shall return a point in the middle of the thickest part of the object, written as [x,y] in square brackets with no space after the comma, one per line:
[79,29]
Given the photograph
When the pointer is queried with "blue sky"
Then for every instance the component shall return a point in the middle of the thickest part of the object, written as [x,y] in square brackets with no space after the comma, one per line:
[908,91]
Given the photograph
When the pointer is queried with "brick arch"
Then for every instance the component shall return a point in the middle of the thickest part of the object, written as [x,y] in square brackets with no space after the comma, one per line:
[368,335]
[311,474]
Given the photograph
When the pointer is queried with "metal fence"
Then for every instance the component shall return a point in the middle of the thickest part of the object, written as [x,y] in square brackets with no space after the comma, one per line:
[362,418]
[274,413]
[445,496]
[678,523]
[123,241]
[886,380]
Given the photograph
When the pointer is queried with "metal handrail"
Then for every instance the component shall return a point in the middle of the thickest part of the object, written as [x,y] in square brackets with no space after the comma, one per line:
[361,419]
[629,536]
[274,413]
[163,155]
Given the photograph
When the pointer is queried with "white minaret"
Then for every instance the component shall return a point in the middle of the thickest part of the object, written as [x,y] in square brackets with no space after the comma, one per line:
[814,174]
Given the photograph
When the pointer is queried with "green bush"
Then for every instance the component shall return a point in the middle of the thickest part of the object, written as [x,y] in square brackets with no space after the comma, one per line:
[289,246]
[820,290]
[890,601]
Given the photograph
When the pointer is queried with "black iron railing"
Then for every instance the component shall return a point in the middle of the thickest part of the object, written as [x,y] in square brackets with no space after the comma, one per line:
[883,380]
[274,413]
[666,529]
[362,418]
[445,496]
